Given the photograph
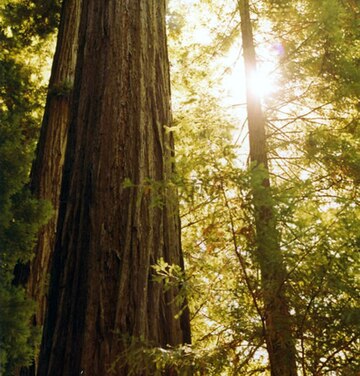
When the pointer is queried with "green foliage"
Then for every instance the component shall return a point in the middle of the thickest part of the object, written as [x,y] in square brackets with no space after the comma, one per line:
[27,21]
[143,358]
[216,222]
[338,151]
[18,339]
[64,89]
[313,142]
[21,216]
[23,25]
[324,282]
[172,276]
[183,360]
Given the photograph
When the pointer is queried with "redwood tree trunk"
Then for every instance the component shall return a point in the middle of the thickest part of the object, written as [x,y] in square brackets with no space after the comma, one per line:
[46,173]
[110,233]
[47,168]
[278,331]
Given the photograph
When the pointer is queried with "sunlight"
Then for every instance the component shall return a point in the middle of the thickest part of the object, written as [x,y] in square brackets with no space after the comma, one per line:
[263,81]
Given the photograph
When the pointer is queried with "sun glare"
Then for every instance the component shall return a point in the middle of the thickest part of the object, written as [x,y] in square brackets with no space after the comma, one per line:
[263,82]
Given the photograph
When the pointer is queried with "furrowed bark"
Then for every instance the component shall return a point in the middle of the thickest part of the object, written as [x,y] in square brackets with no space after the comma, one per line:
[278,331]
[46,173]
[109,233]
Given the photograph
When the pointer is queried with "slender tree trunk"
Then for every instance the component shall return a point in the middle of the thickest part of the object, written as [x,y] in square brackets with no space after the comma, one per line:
[46,173]
[47,168]
[278,331]
[110,233]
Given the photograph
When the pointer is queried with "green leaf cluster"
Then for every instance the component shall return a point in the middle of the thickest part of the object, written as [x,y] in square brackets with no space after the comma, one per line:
[24,25]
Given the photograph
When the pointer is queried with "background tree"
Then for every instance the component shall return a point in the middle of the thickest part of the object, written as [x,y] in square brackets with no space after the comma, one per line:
[278,328]
[45,177]
[46,171]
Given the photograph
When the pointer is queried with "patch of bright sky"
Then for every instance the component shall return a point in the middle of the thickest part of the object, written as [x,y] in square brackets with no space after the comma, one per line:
[199,23]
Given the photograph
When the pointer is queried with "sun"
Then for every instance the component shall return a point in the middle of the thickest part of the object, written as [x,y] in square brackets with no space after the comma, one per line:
[263,82]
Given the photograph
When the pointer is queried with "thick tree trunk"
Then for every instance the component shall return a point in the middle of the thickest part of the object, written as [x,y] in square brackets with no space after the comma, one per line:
[46,173]
[110,233]
[278,332]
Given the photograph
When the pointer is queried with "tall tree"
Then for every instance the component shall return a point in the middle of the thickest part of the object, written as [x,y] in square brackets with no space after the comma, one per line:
[46,172]
[278,333]
[118,211]
[45,179]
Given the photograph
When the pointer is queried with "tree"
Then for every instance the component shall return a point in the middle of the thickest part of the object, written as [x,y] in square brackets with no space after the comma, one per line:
[45,177]
[278,332]
[46,171]
[118,209]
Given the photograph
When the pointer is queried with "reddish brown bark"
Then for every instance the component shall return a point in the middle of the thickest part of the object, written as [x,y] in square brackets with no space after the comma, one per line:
[109,235]
[46,173]
[47,168]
